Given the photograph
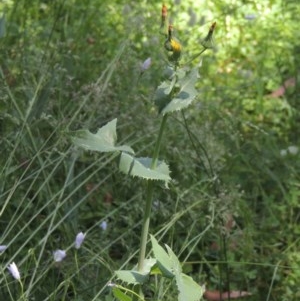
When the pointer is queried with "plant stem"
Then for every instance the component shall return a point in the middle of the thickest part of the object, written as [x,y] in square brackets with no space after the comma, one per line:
[149,198]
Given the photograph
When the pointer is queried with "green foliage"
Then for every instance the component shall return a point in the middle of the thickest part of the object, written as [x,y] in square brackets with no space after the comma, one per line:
[103,141]
[178,92]
[120,295]
[68,65]
[132,277]
[141,167]
[163,260]
[170,267]
[135,277]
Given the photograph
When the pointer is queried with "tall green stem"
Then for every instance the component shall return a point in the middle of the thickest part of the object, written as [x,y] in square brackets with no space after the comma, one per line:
[149,198]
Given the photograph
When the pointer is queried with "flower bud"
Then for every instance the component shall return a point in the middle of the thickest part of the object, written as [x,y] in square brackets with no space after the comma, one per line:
[103,225]
[2,248]
[13,269]
[164,13]
[59,255]
[146,65]
[173,45]
[79,240]
[207,42]
[163,25]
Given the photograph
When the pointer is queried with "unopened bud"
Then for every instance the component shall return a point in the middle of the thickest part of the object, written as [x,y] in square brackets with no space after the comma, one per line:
[164,25]
[146,64]
[208,40]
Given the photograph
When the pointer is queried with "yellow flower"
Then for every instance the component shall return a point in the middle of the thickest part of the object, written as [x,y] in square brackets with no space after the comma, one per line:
[176,46]
[173,45]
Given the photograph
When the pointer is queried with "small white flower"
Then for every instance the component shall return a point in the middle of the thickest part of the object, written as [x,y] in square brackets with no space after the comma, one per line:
[13,269]
[103,225]
[146,65]
[59,255]
[3,248]
[293,150]
[111,284]
[79,240]
[283,152]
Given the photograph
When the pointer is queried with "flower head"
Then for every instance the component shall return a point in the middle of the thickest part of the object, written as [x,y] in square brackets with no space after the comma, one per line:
[3,248]
[146,65]
[208,42]
[79,239]
[13,269]
[103,225]
[59,255]
[173,45]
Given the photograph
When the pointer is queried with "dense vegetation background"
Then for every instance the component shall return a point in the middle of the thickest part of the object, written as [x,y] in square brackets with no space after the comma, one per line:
[232,212]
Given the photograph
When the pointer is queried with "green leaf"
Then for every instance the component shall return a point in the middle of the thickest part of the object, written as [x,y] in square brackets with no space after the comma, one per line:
[162,258]
[132,277]
[140,167]
[162,94]
[148,264]
[186,93]
[103,141]
[189,290]
[176,266]
[135,277]
[120,295]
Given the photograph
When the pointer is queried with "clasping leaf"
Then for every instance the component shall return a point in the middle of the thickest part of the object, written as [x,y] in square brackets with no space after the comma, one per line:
[103,141]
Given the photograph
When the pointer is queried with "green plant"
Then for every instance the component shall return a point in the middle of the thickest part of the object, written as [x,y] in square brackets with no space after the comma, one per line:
[175,93]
